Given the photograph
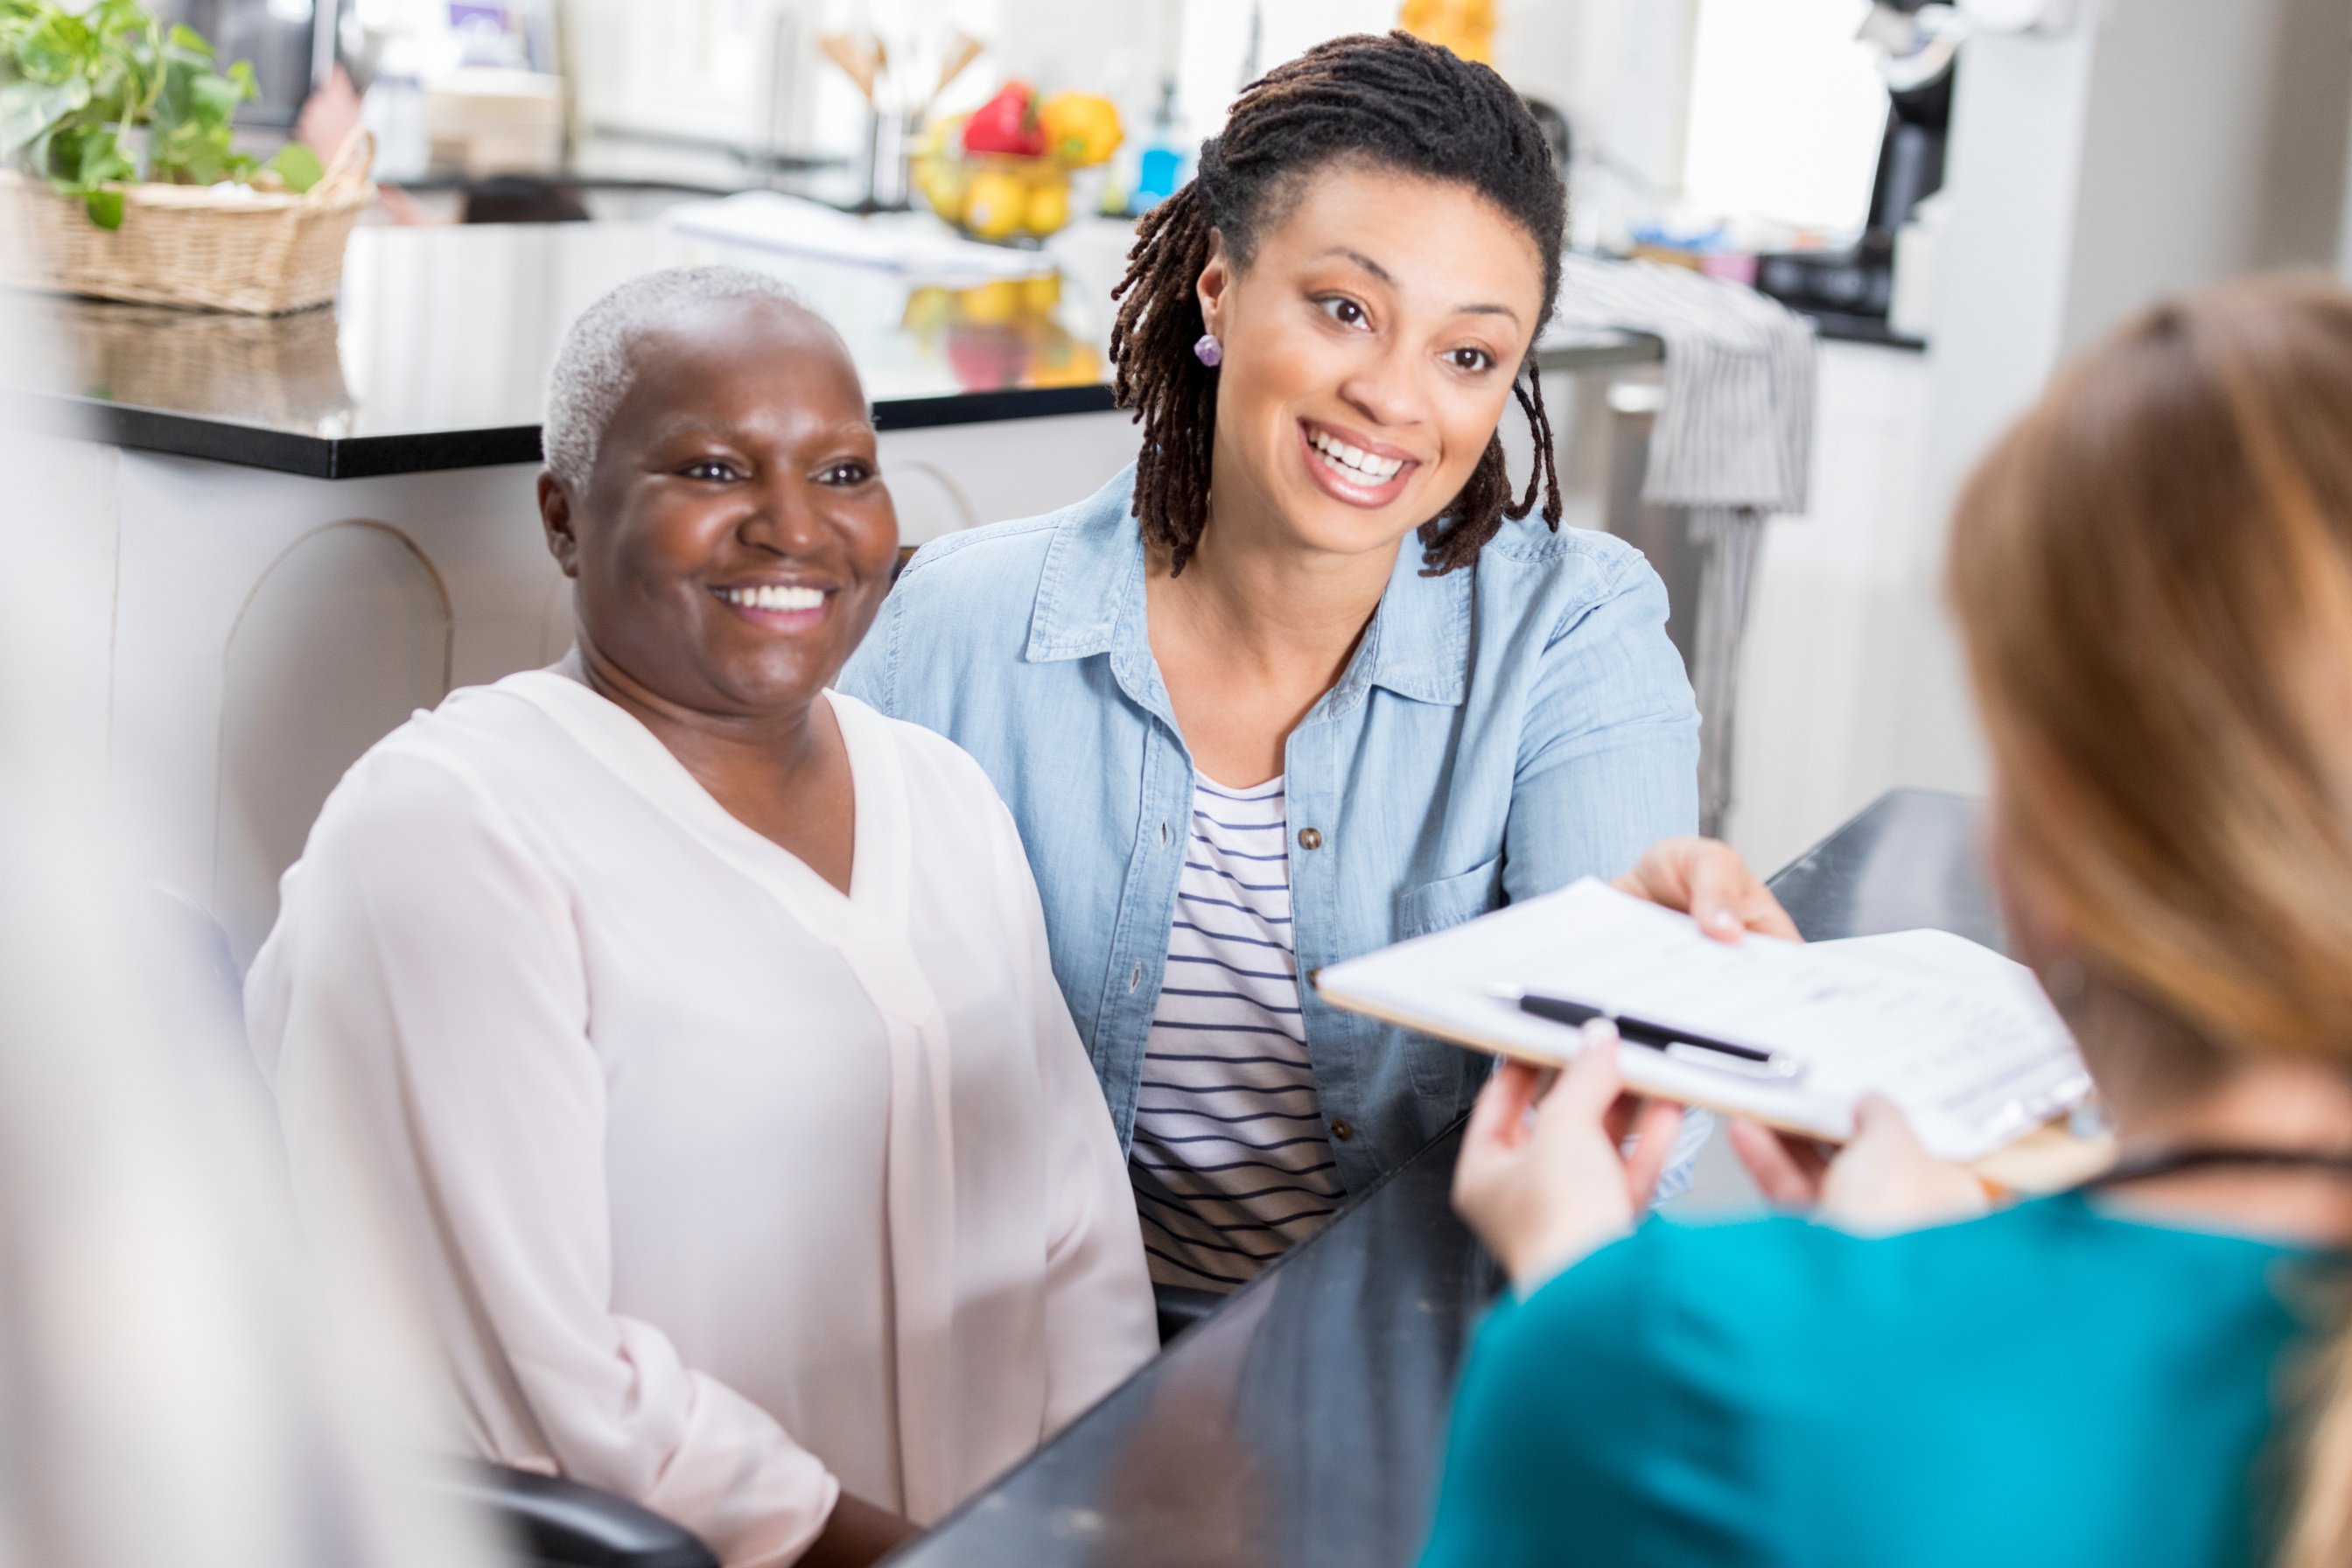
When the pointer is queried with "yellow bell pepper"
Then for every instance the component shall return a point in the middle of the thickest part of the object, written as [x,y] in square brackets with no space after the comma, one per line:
[1081,129]
[1466,27]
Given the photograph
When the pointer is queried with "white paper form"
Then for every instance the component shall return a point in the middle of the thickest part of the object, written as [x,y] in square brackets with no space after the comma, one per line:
[1957,1036]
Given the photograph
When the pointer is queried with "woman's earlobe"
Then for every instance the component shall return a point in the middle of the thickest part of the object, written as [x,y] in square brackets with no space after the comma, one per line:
[1209,289]
[555,519]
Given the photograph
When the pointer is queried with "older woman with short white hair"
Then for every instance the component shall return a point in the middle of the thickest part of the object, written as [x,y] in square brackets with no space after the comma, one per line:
[701,1017]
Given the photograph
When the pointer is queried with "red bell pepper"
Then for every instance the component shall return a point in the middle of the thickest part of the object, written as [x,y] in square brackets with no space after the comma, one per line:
[1007,124]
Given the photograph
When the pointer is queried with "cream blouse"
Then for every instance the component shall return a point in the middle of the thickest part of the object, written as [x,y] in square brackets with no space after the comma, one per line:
[729,1191]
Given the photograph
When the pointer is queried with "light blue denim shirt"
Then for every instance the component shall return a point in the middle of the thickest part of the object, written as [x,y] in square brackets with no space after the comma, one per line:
[1500,732]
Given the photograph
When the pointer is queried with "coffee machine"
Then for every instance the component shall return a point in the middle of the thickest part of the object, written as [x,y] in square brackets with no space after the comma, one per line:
[1917,41]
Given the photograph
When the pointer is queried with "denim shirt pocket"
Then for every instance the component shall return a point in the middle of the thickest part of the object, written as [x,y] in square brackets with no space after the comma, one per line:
[1450,900]
[1444,1072]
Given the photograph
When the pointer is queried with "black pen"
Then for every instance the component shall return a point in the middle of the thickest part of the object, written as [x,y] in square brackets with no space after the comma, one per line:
[1657,1036]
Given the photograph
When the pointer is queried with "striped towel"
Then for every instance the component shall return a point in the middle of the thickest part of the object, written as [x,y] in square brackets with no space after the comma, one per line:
[1733,444]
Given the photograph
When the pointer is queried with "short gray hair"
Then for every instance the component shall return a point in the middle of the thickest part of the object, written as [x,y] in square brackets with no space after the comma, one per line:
[596,364]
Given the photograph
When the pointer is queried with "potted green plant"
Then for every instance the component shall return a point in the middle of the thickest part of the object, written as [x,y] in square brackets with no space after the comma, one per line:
[117,163]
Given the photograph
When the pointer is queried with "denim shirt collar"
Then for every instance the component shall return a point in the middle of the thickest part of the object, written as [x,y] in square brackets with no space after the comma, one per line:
[1090,601]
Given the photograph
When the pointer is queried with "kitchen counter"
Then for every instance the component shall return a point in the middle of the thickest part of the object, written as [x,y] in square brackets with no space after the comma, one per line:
[1303,1421]
[436,355]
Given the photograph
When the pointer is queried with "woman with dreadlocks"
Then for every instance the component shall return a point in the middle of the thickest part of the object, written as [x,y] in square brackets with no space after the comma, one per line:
[1308,679]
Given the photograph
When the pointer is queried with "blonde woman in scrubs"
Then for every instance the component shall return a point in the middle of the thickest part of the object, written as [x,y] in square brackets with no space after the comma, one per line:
[701,1017]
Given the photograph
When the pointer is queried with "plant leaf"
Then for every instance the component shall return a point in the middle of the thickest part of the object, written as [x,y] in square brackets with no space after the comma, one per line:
[105,208]
[57,50]
[29,108]
[102,159]
[298,167]
[177,100]
[215,98]
[187,37]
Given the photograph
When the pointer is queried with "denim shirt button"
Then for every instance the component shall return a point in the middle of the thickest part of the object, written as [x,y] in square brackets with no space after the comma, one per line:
[1308,838]
[1343,1131]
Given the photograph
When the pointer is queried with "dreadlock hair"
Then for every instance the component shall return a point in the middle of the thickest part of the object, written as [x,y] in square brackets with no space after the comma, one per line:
[1393,103]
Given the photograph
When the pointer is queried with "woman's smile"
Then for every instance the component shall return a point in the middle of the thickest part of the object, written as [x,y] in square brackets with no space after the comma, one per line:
[784,606]
[1350,466]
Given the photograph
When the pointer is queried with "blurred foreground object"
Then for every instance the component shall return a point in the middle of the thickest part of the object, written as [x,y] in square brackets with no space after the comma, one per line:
[163,1397]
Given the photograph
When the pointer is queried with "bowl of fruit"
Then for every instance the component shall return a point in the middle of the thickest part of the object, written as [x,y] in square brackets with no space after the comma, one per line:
[1003,172]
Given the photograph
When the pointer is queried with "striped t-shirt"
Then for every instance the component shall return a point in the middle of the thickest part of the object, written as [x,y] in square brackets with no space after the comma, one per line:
[1229,1163]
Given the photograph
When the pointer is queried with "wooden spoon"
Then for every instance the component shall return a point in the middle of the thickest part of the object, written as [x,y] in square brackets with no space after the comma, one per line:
[963,50]
[858,60]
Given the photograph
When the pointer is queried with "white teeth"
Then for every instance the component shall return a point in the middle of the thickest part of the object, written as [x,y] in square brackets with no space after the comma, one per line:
[775,596]
[1337,452]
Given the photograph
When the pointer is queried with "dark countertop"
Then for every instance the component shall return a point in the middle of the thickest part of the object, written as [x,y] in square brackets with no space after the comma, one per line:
[1303,1421]
[434,355]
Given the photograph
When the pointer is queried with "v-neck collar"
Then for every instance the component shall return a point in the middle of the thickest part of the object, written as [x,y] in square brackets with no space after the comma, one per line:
[879,872]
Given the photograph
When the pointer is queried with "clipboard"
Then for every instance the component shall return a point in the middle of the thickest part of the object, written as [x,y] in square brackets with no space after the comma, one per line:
[1958,1035]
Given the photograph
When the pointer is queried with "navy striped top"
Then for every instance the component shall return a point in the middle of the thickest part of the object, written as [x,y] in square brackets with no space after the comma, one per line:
[1229,1160]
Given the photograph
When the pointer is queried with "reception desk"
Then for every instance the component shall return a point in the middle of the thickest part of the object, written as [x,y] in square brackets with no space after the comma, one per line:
[1303,1422]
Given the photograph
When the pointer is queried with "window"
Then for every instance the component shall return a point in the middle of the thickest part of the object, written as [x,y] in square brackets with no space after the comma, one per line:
[1787,108]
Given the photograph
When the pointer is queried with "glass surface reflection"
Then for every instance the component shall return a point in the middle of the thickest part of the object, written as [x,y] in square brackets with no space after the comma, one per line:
[451,328]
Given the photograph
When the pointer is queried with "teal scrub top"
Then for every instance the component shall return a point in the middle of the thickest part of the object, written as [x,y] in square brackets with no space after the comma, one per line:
[2047,1384]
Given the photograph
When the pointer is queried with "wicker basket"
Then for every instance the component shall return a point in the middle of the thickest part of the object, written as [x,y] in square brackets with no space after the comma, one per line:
[257,253]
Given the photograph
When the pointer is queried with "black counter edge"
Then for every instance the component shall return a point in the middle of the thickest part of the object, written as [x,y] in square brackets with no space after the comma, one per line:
[375,457]
[175,435]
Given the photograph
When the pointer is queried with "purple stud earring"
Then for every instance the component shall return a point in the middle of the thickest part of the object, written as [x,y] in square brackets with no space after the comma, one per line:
[1208,351]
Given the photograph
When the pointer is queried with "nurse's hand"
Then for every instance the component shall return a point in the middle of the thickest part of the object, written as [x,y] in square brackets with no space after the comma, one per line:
[1543,1175]
[1882,1181]
[1707,879]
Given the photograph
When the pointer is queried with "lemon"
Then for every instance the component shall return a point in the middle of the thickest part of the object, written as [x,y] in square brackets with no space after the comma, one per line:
[1048,209]
[994,205]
